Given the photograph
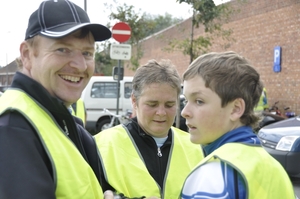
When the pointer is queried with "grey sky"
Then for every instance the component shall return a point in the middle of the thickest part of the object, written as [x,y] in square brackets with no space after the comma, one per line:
[14,15]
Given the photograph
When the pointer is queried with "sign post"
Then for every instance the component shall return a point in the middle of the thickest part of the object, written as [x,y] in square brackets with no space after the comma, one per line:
[121,32]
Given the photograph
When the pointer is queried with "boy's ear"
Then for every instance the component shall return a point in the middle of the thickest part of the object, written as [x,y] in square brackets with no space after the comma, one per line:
[238,109]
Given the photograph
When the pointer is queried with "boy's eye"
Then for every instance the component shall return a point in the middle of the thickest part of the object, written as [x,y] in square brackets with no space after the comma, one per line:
[185,102]
[199,102]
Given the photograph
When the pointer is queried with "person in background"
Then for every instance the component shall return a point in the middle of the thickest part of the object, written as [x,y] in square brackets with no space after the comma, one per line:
[221,91]
[148,157]
[78,110]
[263,102]
[44,151]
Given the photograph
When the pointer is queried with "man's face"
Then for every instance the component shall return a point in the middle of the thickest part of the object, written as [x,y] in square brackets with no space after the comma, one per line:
[63,66]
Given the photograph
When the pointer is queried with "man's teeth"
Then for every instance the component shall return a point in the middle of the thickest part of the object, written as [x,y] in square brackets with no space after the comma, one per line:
[71,78]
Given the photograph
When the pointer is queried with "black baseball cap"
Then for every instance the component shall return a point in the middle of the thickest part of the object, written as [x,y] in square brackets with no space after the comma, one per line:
[58,18]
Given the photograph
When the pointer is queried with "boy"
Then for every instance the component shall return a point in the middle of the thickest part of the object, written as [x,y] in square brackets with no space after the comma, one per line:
[221,91]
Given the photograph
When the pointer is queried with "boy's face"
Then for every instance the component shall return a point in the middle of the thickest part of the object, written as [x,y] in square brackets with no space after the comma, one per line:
[205,118]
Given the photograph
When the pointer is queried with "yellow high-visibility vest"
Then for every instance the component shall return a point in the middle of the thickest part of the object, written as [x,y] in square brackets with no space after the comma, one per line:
[263,101]
[264,177]
[73,176]
[80,110]
[126,171]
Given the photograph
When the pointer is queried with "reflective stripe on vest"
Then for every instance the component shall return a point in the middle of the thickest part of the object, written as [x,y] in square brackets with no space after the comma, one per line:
[264,176]
[73,176]
[126,171]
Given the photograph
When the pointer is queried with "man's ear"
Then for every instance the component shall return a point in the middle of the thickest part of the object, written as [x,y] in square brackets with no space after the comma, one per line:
[238,109]
[25,55]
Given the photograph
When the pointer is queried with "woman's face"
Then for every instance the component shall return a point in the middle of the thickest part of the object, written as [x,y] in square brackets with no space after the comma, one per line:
[156,108]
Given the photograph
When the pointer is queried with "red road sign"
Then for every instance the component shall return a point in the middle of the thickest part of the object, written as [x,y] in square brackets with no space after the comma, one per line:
[121,32]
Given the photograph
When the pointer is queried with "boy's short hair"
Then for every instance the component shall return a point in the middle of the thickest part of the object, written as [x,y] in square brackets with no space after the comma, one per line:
[231,76]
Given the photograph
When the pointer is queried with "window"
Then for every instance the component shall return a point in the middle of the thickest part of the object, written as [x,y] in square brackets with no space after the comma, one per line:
[127,89]
[104,90]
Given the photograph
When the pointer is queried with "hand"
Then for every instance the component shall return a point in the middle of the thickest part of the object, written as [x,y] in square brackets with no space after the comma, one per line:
[108,194]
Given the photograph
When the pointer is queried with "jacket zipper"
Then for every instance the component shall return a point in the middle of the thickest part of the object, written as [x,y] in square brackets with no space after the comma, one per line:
[66,128]
[159,154]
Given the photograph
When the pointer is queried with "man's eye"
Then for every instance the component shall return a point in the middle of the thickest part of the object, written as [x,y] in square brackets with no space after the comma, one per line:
[88,54]
[63,50]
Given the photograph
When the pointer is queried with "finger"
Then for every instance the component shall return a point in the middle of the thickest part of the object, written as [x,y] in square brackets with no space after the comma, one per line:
[108,194]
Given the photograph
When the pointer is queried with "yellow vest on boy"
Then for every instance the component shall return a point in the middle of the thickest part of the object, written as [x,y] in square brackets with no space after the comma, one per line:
[260,171]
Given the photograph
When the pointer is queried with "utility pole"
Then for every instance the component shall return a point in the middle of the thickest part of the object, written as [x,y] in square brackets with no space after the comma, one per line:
[6,67]
[85,5]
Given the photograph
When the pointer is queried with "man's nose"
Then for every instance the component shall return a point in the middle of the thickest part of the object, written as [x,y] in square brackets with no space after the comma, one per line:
[78,61]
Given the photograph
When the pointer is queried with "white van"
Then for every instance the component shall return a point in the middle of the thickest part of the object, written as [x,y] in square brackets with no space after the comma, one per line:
[101,92]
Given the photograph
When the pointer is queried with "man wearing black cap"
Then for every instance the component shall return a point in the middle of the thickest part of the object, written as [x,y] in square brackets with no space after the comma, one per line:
[44,152]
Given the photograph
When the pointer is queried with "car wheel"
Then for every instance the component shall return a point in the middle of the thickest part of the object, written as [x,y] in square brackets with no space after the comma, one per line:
[103,124]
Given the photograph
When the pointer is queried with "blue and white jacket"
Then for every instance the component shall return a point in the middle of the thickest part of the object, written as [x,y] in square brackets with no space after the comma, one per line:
[216,179]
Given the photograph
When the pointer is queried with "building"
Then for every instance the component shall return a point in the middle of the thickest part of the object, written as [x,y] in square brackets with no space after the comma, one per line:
[6,75]
[258,28]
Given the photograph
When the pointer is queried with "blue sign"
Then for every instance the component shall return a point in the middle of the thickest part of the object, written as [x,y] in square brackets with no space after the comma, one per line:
[277,59]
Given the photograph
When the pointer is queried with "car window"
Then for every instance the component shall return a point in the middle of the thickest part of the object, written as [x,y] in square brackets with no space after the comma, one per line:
[128,89]
[104,90]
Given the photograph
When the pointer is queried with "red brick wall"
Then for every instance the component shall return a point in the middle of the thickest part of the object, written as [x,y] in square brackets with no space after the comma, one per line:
[257,28]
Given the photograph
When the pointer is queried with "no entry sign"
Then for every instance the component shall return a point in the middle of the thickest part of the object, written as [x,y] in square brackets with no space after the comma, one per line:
[121,32]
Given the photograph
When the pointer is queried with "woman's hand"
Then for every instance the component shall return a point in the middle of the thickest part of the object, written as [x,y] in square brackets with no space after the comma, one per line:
[108,194]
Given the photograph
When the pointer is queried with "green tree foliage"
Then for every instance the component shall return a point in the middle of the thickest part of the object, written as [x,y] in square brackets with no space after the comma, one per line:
[142,25]
[160,22]
[138,27]
[211,17]
[103,62]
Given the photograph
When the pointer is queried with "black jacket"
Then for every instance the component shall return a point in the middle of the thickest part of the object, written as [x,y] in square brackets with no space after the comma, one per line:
[25,168]
[148,148]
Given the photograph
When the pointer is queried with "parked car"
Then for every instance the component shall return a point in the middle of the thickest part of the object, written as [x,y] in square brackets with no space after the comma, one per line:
[282,140]
[101,93]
